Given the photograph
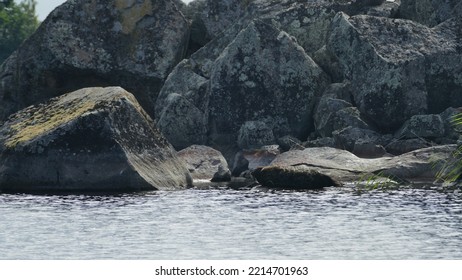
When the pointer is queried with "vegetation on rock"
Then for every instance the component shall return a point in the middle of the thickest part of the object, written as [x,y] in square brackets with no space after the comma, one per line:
[17,23]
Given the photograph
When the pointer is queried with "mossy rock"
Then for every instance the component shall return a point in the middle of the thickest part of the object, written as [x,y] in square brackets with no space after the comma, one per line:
[93,139]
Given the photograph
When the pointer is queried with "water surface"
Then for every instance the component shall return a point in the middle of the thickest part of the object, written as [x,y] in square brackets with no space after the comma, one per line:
[223,223]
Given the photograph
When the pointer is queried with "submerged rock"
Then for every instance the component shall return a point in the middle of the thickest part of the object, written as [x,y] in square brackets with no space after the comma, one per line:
[292,177]
[93,139]
[205,163]
[134,44]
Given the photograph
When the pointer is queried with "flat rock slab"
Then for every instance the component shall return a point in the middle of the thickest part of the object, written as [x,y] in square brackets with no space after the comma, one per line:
[344,166]
[94,139]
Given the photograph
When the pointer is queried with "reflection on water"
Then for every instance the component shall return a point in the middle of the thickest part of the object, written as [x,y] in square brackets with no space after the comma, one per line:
[223,223]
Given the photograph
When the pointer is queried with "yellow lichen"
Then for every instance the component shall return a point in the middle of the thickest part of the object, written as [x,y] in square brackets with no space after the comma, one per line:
[132,13]
[44,120]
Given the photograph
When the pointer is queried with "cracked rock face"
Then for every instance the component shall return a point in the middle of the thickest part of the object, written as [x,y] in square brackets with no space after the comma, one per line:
[134,44]
[81,142]
[397,67]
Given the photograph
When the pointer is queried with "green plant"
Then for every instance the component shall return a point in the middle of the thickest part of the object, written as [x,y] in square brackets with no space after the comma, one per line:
[450,171]
[378,181]
[17,23]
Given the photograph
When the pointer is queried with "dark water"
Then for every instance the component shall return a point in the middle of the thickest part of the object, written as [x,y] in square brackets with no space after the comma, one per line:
[223,223]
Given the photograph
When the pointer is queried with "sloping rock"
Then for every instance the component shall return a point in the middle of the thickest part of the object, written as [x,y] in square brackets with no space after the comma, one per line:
[344,166]
[292,177]
[209,18]
[205,163]
[428,12]
[240,67]
[398,68]
[134,44]
[263,73]
[422,126]
[94,139]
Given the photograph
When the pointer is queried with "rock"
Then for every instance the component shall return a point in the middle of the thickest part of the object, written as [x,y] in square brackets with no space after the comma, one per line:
[134,44]
[289,142]
[451,128]
[205,163]
[292,177]
[222,175]
[320,142]
[209,18]
[243,87]
[81,142]
[422,126]
[344,166]
[388,9]
[182,122]
[240,164]
[428,12]
[398,68]
[333,113]
[261,157]
[255,134]
[329,63]
[402,146]
[347,138]
[366,149]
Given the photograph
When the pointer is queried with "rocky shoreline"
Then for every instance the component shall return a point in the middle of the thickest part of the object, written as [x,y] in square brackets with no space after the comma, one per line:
[139,95]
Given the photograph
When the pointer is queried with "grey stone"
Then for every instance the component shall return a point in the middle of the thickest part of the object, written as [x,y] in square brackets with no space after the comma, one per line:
[334,114]
[255,134]
[222,175]
[344,166]
[451,128]
[320,142]
[422,126]
[347,137]
[402,146]
[205,163]
[289,142]
[81,142]
[261,157]
[134,44]
[398,68]
[182,123]
[428,12]
[244,88]
[240,164]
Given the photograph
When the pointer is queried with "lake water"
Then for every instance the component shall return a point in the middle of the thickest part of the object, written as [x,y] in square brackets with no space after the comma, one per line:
[224,223]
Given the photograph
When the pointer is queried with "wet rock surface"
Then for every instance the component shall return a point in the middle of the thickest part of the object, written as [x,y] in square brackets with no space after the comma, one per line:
[81,142]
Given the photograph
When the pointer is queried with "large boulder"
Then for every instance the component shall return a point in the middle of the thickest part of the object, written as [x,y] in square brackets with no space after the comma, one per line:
[343,166]
[231,81]
[263,73]
[428,12]
[94,139]
[398,68]
[209,18]
[205,163]
[422,126]
[134,44]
